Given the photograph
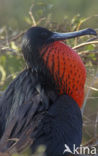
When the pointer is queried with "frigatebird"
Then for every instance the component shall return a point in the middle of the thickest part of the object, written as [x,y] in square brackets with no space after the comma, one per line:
[42,105]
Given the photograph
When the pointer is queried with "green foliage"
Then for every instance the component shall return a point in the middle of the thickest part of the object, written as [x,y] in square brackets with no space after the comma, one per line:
[14,12]
[11,60]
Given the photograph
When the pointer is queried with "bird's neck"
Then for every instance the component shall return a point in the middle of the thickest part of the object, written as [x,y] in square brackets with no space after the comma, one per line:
[42,74]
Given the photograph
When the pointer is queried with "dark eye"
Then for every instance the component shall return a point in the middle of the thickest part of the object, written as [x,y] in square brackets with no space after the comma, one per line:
[44,35]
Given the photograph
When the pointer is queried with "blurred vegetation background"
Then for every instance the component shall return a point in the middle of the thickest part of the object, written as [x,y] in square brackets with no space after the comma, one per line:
[16,16]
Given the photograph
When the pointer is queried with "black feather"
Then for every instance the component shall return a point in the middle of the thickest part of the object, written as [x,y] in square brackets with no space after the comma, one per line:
[38,117]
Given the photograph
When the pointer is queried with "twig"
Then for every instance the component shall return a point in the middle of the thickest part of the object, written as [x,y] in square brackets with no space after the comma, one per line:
[96,125]
[17,36]
[86,118]
[84,44]
[14,139]
[9,50]
[87,52]
[92,98]
[42,19]
[6,37]
[14,38]
[91,141]
[31,16]
[33,19]
[93,39]
[87,95]
[95,89]
[3,75]
[8,77]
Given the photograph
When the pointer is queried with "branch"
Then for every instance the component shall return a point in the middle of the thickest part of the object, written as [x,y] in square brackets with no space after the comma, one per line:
[87,95]
[84,44]
[93,39]
[31,16]
[87,52]
[11,51]
[95,89]
[92,141]
[13,38]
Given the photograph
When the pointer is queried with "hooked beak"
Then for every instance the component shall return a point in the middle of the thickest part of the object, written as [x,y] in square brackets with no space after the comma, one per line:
[62,36]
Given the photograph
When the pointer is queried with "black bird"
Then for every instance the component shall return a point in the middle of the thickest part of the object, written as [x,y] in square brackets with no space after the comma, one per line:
[42,105]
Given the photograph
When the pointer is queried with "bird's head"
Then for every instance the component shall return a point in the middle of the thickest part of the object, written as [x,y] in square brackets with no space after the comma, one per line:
[44,51]
[33,41]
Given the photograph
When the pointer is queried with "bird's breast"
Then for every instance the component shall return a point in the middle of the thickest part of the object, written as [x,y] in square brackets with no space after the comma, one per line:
[67,69]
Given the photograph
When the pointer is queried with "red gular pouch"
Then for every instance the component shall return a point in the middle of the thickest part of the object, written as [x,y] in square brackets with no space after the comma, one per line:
[67,69]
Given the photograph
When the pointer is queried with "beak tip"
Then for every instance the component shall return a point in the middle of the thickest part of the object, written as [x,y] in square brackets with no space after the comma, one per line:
[92,31]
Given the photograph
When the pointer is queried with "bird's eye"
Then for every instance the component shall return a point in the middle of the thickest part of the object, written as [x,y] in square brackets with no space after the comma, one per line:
[44,35]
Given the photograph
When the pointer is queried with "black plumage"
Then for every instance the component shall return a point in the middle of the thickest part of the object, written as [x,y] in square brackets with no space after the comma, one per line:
[36,117]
